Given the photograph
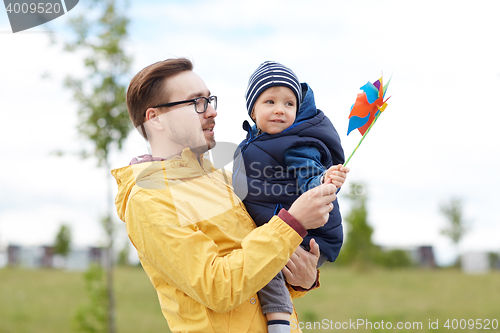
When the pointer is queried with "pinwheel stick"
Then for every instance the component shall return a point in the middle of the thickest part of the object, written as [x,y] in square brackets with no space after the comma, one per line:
[366,133]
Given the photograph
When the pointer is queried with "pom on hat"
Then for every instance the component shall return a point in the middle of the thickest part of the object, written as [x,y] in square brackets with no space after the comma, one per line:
[271,74]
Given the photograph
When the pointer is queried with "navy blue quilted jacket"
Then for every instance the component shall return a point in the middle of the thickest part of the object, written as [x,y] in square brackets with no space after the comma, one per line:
[264,183]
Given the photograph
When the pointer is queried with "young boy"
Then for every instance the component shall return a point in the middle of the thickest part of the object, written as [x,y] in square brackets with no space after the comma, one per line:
[292,148]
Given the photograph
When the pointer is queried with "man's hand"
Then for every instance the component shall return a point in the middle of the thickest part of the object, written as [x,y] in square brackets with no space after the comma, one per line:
[312,208]
[301,268]
[336,175]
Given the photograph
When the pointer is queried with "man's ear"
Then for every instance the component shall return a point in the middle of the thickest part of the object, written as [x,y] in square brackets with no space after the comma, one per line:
[152,116]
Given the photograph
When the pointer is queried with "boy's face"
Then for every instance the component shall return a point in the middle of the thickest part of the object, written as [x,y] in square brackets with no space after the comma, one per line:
[275,109]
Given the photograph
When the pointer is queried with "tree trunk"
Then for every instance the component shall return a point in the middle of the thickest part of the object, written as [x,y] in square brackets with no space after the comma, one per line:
[109,254]
[110,291]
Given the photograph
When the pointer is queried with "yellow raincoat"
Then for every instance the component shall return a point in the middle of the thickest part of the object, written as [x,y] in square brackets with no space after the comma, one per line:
[198,245]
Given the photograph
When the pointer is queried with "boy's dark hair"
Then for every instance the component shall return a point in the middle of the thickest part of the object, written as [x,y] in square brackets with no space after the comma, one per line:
[146,88]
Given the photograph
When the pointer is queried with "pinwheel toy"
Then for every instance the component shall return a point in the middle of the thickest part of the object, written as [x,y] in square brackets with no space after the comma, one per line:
[368,107]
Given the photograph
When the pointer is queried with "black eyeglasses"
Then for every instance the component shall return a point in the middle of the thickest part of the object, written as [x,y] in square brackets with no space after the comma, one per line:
[200,103]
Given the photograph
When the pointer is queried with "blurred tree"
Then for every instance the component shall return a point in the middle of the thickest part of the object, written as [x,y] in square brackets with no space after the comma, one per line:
[494,259]
[456,228]
[358,248]
[100,35]
[394,259]
[63,241]
[123,255]
[92,317]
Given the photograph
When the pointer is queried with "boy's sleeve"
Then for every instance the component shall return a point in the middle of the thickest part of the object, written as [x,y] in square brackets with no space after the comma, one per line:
[297,292]
[305,162]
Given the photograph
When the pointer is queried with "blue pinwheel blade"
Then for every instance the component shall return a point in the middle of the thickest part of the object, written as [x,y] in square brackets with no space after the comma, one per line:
[371,92]
[357,122]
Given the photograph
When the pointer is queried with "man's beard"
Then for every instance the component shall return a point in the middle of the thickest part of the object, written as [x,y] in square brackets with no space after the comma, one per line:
[189,139]
[203,148]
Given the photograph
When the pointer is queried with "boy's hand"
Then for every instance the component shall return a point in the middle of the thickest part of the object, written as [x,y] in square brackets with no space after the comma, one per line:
[336,175]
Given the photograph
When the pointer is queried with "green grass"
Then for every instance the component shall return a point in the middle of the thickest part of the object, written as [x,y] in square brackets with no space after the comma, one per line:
[45,301]
[400,296]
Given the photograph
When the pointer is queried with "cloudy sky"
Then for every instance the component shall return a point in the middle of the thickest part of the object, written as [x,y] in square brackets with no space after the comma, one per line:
[436,140]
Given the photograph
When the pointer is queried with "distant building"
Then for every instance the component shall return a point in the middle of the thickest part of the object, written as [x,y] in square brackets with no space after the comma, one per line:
[43,257]
[421,256]
[494,260]
[425,257]
[3,258]
[80,259]
[475,262]
[47,255]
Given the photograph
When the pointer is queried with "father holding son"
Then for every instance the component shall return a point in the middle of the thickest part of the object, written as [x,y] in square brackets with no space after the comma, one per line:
[195,240]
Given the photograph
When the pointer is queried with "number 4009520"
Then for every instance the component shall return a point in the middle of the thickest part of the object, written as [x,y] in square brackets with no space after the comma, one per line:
[485,324]
[32,8]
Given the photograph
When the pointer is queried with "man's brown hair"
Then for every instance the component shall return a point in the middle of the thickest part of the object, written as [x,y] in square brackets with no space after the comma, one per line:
[146,88]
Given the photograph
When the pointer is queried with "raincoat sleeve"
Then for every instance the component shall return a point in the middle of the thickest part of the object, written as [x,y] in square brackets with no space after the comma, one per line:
[189,260]
[297,292]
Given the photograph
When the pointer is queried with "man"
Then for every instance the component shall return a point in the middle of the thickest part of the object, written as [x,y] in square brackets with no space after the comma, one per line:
[194,238]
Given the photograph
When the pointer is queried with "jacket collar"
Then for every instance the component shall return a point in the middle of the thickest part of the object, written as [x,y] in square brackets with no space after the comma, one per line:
[149,173]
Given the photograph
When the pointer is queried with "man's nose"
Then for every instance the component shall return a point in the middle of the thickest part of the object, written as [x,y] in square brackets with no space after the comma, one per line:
[211,112]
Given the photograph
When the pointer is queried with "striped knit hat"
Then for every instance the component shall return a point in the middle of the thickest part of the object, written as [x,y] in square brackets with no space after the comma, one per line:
[271,74]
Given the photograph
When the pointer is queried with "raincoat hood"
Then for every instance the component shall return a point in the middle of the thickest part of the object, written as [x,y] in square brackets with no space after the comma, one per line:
[125,180]
[308,106]
[146,173]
